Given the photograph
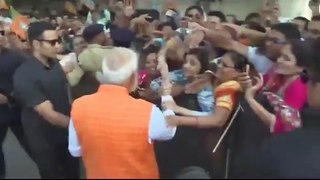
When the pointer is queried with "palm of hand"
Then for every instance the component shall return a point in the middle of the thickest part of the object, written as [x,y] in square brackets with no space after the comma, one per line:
[252,90]
[128,11]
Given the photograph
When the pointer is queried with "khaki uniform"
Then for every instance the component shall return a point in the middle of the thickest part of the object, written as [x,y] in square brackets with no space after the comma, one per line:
[83,78]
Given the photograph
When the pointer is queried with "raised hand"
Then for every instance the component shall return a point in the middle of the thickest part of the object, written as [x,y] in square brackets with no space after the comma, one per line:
[247,84]
[244,79]
[128,8]
[161,56]
[162,64]
[196,27]
[128,11]
[251,91]
[195,38]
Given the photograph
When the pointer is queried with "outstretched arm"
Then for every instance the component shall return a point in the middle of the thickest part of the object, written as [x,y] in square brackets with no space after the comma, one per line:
[217,119]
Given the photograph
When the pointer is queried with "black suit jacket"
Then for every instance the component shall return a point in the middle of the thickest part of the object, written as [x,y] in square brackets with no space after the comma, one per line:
[293,155]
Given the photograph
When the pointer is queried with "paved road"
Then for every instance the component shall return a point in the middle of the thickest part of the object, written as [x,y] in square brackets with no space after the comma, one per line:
[19,165]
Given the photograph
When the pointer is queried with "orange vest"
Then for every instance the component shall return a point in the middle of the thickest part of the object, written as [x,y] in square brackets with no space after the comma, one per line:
[113,131]
[226,94]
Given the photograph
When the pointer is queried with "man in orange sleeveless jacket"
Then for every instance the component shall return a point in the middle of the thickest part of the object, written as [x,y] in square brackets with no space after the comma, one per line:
[113,131]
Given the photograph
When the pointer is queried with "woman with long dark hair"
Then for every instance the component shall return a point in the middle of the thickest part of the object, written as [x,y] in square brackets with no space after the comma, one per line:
[226,91]
[284,89]
[200,124]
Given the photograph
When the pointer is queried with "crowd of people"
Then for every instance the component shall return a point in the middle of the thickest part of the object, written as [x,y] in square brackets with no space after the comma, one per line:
[173,96]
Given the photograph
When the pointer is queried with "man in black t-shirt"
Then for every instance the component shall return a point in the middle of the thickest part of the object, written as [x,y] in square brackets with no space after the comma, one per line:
[40,86]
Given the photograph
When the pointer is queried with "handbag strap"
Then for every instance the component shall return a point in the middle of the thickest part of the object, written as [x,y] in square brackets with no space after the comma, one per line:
[227,128]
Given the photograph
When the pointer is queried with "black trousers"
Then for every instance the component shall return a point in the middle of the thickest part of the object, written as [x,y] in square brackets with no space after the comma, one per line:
[57,163]
[52,157]
[10,118]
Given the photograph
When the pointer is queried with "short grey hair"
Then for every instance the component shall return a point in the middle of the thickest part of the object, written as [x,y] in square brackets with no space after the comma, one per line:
[118,66]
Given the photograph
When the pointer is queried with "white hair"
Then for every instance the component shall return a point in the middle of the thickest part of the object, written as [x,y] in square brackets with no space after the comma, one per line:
[119,65]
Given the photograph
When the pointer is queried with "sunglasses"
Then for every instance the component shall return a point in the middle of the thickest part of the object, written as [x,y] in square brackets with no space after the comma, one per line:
[51,42]
[223,65]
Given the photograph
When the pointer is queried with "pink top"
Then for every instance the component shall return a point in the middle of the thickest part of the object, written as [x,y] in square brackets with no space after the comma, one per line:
[294,96]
